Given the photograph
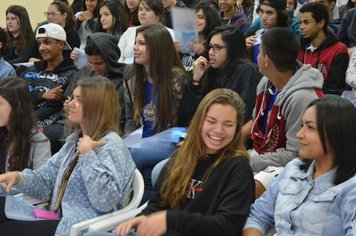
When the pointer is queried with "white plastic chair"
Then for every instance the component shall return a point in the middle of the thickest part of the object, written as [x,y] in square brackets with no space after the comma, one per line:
[111,223]
[138,188]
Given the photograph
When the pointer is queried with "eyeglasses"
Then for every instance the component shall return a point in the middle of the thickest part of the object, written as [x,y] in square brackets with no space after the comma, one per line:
[52,13]
[216,48]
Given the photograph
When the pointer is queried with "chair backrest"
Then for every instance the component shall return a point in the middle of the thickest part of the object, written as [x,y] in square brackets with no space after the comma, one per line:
[137,188]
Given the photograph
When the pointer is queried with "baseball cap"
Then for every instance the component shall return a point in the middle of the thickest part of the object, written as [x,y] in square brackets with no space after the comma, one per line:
[53,31]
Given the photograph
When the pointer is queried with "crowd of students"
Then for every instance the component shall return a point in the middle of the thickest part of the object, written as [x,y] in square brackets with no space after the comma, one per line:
[270,140]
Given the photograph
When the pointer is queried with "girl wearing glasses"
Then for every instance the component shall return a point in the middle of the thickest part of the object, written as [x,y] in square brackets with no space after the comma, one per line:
[228,66]
[21,39]
[91,174]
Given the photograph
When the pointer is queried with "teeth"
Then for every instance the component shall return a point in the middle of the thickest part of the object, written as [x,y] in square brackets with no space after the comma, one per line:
[215,138]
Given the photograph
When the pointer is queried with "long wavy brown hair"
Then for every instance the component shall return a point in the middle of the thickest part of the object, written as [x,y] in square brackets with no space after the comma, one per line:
[184,162]
[15,139]
[165,64]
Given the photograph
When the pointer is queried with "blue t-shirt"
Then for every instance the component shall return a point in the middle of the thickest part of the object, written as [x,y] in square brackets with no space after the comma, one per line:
[149,111]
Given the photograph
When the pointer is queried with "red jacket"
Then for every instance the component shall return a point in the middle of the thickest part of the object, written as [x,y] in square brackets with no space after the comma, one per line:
[331,58]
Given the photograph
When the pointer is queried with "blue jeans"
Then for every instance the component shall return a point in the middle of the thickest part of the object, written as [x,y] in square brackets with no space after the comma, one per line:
[147,156]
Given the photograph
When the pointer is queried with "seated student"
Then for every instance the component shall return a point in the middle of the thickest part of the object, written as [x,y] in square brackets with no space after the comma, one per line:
[321,49]
[103,54]
[316,193]
[112,18]
[59,12]
[232,15]
[6,69]
[228,66]
[90,175]
[273,14]
[21,39]
[48,78]
[153,95]
[207,186]
[282,95]
[347,33]
[87,19]
[149,12]
[21,145]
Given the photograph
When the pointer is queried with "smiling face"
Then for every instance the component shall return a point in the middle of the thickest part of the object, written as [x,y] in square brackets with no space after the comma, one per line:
[91,5]
[13,24]
[5,112]
[146,15]
[226,5]
[219,127]
[309,27]
[218,59]
[141,54]
[75,113]
[310,146]
[55,16]
[200,20]
[50,49]
[106,18]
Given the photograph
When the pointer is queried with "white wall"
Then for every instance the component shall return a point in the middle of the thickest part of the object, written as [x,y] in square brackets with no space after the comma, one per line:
[35,9]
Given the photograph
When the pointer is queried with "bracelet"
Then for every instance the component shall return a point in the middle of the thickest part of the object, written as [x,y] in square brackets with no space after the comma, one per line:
[195,81]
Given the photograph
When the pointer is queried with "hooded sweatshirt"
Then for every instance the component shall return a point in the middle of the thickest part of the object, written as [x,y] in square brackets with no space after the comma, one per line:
[279,144]
[331,59]
[107,45]
[39,81]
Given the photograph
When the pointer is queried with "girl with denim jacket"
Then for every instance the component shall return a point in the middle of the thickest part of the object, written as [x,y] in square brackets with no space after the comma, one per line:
[92,173]
[315,194]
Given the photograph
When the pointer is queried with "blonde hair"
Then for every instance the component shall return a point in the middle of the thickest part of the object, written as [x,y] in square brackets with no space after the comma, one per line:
[184,162]
[101,108]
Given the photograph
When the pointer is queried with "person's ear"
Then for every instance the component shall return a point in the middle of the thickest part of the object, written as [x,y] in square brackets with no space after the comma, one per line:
[0,45]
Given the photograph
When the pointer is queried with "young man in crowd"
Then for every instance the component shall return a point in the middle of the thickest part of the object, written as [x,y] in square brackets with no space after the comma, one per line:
[6,69]
[48,79]
[283,94]
[333,24]
[321,49]
[272,14]
[231,15]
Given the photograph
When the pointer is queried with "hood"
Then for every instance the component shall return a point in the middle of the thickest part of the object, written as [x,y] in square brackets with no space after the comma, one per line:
[306,77]
[109,49]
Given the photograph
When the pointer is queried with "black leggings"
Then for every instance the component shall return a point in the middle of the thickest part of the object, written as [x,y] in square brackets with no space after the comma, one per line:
[25,228]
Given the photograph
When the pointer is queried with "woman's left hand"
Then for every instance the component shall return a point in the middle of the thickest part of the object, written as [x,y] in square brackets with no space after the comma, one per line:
[86,144]
[155,225]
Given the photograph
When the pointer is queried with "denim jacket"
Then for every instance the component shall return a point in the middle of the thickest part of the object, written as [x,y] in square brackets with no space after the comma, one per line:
[99,183]
[6,69]
[298,205]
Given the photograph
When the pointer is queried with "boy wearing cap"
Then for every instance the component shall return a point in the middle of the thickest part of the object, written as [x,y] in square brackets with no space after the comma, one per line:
[6,69]
[321,49]
[47,79]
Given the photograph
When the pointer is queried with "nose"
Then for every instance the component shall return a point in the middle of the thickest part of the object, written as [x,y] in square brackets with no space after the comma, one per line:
[41,47]
[300,134]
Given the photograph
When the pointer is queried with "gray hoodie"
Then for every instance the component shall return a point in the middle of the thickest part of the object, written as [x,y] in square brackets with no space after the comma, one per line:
[293,100]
